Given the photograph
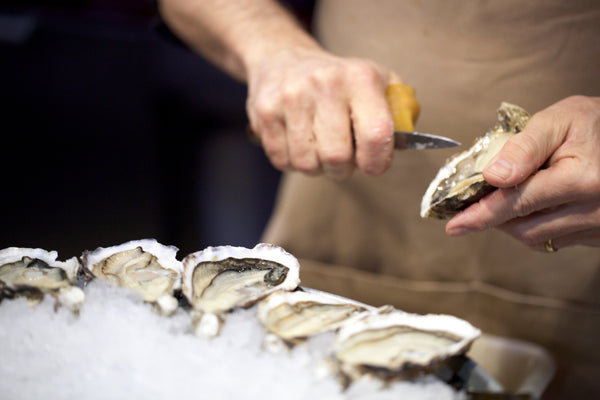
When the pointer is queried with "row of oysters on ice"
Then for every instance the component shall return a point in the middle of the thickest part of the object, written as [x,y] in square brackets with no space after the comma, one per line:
[383,342]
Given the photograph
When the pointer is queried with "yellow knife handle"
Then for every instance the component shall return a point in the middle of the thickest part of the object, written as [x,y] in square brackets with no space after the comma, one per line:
[404,105]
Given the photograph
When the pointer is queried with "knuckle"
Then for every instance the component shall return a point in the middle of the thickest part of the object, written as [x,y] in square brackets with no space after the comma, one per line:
[377,167]
[580,101]
[379,131]
[486,224]
[523,233]
[336,157]
[325,77]
[278,158]
[265,108]
[305,162]
[482,207]
[374,155]
[280,163]
[379,134]
[305,167]
[364,71]
[487,212]
[294,92]
[523,147]
[523,206]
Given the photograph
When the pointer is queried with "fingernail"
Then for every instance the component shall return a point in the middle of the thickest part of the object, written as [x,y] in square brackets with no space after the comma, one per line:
[501,168]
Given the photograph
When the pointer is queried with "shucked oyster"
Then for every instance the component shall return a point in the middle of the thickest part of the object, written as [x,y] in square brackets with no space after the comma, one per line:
[393,344]
[35,272]
[460,182]
[145,266]
[295,316]
[219,279]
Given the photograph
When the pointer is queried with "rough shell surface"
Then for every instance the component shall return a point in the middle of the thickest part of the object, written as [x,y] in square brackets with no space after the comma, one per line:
[145,266]
[297,315]
[401,343]
[12,254]
[459,183]
[218,279]
[34,272]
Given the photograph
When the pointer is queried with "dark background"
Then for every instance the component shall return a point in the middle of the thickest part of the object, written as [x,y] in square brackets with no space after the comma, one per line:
[112,131]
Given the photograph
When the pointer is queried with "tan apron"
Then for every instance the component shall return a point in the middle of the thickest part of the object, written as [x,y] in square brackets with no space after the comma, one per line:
[363,238]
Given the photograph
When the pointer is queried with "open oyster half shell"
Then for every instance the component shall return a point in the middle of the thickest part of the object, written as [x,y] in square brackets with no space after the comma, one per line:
[393,344]
[459,183]
[34,272]
[145,266]
[219,279]
[294,316]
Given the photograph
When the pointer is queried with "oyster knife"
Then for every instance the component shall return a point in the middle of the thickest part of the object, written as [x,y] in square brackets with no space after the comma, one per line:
[421,141]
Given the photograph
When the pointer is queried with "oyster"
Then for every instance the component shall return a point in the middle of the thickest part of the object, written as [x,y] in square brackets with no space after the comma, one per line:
[35,272]
[219,279]
[393,344]
[294,316]
[459,183]
[145,266]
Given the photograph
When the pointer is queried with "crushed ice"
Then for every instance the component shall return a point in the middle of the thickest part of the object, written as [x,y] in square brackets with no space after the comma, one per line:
[118,348]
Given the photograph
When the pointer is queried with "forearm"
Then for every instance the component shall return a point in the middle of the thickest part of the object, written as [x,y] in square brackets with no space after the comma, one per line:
[235,35]
[313,111]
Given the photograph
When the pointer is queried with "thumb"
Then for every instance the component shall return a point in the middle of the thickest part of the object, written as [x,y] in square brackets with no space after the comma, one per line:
[524,153]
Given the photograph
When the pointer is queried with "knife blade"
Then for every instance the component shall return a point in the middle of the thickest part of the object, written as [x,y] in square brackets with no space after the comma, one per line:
[421,141]
[405,110]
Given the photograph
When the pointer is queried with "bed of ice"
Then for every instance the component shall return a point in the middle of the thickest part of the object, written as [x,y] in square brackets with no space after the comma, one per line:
[118,348]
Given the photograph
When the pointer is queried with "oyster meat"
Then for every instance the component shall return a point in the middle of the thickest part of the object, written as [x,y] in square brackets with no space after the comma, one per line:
[145,266]
[295,316]
[219,279]
[393,344]
[459,183]
[35,272]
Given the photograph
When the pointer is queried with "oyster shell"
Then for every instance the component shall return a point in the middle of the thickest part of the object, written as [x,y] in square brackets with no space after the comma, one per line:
[393,344]
[294,316]
[35,272]
[459,183]
[219,279]
[145,266]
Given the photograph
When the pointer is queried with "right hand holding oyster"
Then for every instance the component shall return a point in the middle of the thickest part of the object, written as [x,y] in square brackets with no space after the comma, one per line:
[548,178]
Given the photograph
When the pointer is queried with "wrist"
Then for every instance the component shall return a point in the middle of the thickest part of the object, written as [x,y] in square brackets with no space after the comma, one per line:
[268,46]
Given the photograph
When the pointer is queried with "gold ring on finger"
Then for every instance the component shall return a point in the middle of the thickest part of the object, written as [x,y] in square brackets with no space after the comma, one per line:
[549,246]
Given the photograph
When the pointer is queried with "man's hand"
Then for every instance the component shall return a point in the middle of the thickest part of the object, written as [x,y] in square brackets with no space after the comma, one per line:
[318,113]
[313,112]
[548,178]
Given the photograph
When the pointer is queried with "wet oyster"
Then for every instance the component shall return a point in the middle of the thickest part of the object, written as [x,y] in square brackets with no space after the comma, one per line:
[35,272]
[393,344]
[145,266]
[219,279]
[460,182]
[294,316]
